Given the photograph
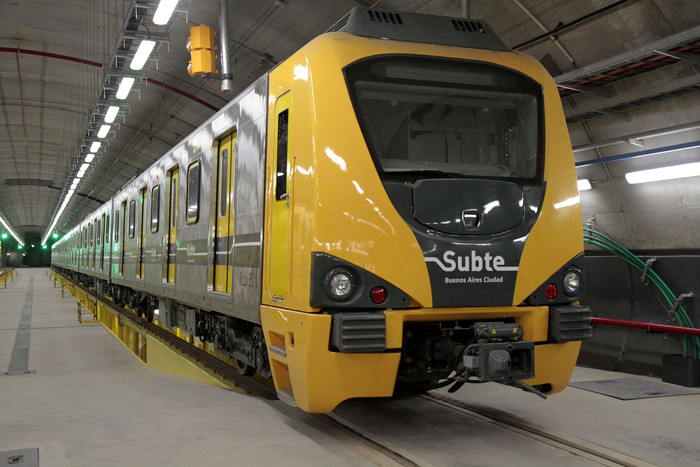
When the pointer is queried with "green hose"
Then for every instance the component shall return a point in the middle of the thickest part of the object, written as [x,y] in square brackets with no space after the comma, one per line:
[608,244]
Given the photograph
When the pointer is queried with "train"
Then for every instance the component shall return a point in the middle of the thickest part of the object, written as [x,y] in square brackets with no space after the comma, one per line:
[393,204]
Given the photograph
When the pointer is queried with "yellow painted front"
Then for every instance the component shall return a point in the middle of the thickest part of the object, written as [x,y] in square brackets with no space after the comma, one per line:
[339,205]
[280,221]
[142,232]
[321,379]
[225,216]
[172,187]
[554,364]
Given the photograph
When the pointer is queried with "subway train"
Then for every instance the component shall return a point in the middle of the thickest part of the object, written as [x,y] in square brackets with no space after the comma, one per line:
[394,204]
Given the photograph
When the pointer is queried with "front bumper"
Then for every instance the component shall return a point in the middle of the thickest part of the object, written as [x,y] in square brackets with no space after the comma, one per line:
[317,379]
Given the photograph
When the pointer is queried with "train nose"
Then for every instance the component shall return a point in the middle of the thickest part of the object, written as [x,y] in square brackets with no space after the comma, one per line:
[468,207]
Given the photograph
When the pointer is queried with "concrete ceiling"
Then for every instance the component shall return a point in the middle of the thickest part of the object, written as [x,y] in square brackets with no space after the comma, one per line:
[627,69]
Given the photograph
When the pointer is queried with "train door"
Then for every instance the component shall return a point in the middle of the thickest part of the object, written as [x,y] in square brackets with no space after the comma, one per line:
[142,232]
[98,245]
[122,245]
[91,245]
[105,238]
[223,267]
[279,228]
[172,184]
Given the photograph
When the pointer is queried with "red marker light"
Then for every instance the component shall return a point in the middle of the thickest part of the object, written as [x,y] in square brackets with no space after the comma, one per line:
[550,291]
[378,295]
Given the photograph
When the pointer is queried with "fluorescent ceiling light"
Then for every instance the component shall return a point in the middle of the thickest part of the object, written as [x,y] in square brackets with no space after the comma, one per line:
[10,231]
[84,167]
[94,147]
[125,87]
[79,175]
[104,129]
[664,173]
[142,54]
[111,114]
[584,184]
[164,11]
[89,157]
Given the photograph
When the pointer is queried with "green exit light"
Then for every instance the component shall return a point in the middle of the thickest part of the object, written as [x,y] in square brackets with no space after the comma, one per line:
[43,247]
[55,235]
[19,247]
[4,235]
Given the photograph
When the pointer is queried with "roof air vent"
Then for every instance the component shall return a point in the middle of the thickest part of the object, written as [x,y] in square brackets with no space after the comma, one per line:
[340,24]
[384,17]
[467,26]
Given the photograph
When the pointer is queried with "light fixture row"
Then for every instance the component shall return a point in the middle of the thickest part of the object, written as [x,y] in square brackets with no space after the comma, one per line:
[143,53]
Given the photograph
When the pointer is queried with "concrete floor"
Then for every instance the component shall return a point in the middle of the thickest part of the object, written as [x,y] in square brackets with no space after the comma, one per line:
[90,402]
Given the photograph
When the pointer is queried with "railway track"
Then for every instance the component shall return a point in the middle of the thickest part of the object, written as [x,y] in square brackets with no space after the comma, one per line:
[374,448]
[571,444]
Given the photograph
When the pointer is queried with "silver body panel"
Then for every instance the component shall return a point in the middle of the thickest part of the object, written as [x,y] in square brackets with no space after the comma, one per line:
[193,287]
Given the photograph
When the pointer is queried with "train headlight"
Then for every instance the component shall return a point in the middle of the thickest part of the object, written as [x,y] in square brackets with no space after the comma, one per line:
[572,282]
[340,283]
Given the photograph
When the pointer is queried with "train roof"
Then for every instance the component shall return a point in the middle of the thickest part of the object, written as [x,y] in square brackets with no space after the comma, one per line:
[415,27]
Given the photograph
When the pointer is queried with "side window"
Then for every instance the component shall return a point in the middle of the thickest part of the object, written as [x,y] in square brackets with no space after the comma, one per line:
[223,183]
[282,133]
[116,226]
[155,208]
[132,218]
[106,230]
[193,192]
[173,203]
[98,234]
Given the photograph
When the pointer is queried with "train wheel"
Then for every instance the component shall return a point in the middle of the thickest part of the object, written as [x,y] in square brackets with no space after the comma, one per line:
[244,368]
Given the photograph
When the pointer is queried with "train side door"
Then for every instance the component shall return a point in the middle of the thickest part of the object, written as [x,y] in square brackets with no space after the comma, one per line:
[225,215]
[122,245]
[105,240]
[142,232]
[279,225]
[172,226]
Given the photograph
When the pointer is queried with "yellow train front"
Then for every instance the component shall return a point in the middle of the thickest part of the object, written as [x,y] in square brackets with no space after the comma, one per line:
[422,216]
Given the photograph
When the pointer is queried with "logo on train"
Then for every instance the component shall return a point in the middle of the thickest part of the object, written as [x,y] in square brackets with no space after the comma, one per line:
[473,262]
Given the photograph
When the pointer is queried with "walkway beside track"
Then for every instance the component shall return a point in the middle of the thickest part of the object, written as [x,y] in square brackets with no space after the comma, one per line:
[88,401]
[91,402]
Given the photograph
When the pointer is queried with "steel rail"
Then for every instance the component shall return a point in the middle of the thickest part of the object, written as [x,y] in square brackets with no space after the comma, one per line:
[579,447]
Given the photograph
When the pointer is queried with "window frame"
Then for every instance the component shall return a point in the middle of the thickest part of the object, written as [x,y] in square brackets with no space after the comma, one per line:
[132,218]
[155,206]
[192,211]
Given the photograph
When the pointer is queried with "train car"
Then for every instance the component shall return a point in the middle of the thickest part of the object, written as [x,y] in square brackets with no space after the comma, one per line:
[396,202]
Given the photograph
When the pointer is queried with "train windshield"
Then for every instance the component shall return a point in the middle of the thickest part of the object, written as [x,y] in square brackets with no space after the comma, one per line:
[438,117]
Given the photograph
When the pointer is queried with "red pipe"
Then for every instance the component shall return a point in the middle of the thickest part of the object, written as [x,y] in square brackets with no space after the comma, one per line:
[99,65]
[649,327]
[182,93]
[50,55]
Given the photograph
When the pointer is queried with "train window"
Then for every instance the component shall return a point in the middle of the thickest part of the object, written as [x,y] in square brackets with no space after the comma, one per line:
[106,230]
[282,136]
[441,117]
[91,236]
[155,208]
[132,218]
[116,226]
[223,183]
[98,234]
[193,192]
[173,201]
